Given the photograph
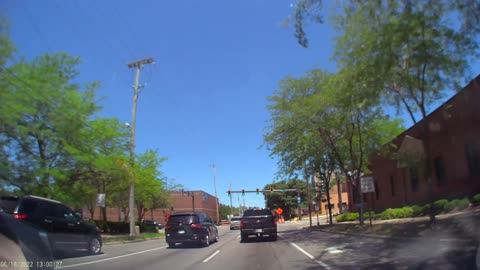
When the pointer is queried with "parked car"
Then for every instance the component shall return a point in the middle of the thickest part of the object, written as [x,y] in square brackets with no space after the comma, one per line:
[194,228]
[24,244]
[235,223]
[66,230]
[152,223]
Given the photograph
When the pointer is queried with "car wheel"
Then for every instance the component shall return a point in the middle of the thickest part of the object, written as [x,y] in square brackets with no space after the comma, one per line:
[273,237]
[206,242]
[94,245]
[216,237]
[243,238]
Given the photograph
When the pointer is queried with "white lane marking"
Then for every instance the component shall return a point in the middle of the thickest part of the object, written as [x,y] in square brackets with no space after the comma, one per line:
[324,265]
[112,258]
[303,251]
[238,236]
[211,256]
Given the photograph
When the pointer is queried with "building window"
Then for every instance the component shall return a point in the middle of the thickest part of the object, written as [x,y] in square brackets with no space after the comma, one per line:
[414,179]
[331,206]
[392,185]
[377,191]
[440,171]
[473,159]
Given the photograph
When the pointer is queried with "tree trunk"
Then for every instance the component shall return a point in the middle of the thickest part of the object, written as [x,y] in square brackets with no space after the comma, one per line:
[327,187]
[428,167]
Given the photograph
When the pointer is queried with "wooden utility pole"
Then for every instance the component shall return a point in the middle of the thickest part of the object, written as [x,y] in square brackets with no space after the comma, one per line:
[215,189]
[136,90]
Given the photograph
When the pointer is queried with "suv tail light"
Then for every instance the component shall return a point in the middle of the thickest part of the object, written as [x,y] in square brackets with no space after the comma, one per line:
[20,216]
[168,226]
[196,226]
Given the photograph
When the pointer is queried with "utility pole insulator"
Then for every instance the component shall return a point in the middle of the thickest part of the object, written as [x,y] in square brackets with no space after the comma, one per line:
[140,63]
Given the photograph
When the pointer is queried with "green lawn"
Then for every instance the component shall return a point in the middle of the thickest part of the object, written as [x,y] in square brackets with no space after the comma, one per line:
[119,238]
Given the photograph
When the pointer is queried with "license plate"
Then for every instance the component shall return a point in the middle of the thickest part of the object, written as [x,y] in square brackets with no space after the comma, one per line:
[258,230]
[181,232]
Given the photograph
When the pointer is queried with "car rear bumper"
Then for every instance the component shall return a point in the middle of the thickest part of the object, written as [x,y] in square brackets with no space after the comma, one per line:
[263,231]
[196,238]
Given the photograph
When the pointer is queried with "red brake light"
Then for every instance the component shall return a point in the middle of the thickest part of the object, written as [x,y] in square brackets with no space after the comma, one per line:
[168,226]
[196,226]
[241,223]
[20,216]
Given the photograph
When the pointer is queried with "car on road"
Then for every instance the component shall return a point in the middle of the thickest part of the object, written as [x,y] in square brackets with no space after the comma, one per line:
[258,222]
[190,228]
[152,223]
[24,244]
[65,229]
[235,223]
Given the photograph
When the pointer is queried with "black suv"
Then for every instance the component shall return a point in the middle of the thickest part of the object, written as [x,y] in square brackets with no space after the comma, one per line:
[65,229]
[196,228]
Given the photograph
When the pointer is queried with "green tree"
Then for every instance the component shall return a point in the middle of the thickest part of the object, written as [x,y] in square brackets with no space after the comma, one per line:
[41,112]
[285,200]
[408,53]
[320,123]
[149,190]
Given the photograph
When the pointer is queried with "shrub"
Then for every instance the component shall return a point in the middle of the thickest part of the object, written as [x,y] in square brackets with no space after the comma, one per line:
[406,212]
[419,211]
[476,198]
[451,205]
[148,229]
[387,214]
[346,217]
[440,206]
[463,204]
[351,216]
[340,218]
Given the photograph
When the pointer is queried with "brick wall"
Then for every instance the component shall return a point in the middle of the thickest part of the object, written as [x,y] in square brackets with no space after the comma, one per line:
[181,202]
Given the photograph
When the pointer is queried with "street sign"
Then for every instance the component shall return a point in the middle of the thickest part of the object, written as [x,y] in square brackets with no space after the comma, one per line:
[279,211]
[366,184]
[101,199]
[317,208]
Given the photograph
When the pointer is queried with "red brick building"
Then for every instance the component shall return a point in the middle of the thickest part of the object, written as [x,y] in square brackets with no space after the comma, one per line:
[181,202]
[455,156]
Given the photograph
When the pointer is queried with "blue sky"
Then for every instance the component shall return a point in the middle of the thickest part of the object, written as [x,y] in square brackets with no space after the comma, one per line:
[204,100]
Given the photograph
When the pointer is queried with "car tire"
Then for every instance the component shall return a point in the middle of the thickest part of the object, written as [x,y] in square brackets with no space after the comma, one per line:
[273,237]
[206,241]
[94,245]
[243,238]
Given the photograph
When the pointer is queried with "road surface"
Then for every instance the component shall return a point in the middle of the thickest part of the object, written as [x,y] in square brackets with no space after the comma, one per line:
[296,248]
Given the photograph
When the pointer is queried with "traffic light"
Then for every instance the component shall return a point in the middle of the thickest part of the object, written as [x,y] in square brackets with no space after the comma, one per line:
[229,193]
[243,192]
[258,191]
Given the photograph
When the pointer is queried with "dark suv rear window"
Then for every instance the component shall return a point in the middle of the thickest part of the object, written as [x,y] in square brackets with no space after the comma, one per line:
[185,219]
[8,204]
[261,212]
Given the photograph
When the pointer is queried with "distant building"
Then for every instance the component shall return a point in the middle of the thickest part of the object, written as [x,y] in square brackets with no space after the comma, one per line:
[455,156]
[181,202]
[322,201]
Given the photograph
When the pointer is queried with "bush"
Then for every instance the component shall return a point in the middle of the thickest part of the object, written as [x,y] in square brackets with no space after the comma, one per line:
[393,213]
[113,227]
[419,211]
[440,206]
[451,205]
[340,218]
[346,217]
[476,198]
[463,204]
[148,229]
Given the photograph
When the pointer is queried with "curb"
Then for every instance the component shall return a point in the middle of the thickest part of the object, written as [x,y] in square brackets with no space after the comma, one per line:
[461,240]
[130,241]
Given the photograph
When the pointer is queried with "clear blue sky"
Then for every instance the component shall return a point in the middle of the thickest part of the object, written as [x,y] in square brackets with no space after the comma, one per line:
[204,100]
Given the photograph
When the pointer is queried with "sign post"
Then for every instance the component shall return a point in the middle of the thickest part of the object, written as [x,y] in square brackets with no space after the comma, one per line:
[367,186]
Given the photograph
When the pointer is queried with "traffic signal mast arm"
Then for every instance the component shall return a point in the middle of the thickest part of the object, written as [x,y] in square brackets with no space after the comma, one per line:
[265,190]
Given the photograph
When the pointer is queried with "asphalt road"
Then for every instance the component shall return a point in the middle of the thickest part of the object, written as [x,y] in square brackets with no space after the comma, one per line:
[296,248]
